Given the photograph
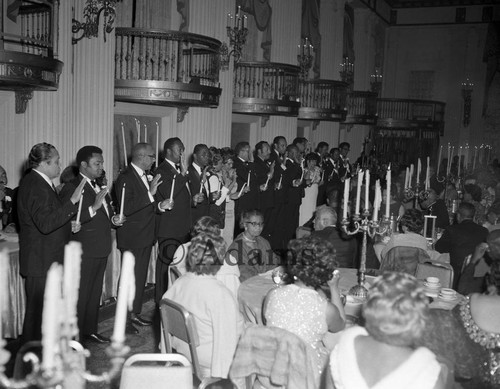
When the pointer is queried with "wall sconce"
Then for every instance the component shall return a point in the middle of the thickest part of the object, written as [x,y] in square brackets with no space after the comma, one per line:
[376,81]
[237,33]
[467,88]
[305,57]
[347,72]
[92,14]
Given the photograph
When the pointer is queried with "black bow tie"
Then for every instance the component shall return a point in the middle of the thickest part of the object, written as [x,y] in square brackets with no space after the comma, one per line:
[94,184]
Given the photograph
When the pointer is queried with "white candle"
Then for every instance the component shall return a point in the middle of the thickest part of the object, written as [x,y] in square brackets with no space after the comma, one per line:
[347,185]
[459,156]
[157,144]
[79,213]
[51,316]
[124,146]
[367,189]
[267,182]
[248,180]
[71,284]
[122,202]
[412,169]
[388,194]
[4,272]
[172,188]
[474,160]
[145,134]
[138,128]
[449,160]
[439,159]
[358,191]
[406,177]
[279,183]
[126,293]
[419,169]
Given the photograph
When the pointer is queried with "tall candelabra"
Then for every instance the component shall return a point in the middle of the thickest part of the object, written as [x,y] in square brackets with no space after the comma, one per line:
[362,224]
[415,194]
[305,57]
[237,32]
[467,87]
[347,71]
[376,81]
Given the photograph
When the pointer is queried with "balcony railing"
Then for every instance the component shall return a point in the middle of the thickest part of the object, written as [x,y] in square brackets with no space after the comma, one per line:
[410,113]
[361,108]
[28,50]
[266,88]
[166,67]
[323,100]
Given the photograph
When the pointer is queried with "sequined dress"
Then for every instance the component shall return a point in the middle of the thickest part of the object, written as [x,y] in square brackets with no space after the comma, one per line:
[301,311]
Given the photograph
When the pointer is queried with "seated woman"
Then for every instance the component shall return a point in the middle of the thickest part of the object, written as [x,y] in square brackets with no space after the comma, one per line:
[228,274]
[302,307]
[214,308]
[412,224]
[250,251]
[383,354]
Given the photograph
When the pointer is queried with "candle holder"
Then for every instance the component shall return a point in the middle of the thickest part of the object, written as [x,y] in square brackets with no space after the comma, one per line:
[362,224]
[237,35]
[69,368]
[415,194]
[305,58]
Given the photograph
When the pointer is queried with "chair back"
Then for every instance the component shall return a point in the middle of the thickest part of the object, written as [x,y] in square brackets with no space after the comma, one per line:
[431,269]
[404,259]
[154,371]
[174,274]
[178,322]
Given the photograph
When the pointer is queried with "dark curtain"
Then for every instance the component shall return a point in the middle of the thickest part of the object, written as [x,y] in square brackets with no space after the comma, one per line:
[261,11]
[491,56]
[310,30]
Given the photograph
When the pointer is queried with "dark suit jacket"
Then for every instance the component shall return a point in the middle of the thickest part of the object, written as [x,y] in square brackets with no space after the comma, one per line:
[460,240]
[345,247]
[176,222]
[439,210]
[95,234]
[138,231]
[266,198]
[247,200]
[44,225]
[293,171]
[203,208]
[279,172]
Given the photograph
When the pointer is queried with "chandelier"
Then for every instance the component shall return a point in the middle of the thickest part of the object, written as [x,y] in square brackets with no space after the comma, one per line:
[376,81]
[347,71]
[305,57]
[237,31]
[467,88]
[92,14]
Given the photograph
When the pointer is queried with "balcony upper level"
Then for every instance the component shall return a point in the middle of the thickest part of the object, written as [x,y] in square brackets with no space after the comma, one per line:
[410,114]
[28,49]
[323,100]
[361,108]
[266,88]
[169,68]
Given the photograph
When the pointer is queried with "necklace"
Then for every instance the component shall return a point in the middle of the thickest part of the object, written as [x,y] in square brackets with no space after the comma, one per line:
[248,239]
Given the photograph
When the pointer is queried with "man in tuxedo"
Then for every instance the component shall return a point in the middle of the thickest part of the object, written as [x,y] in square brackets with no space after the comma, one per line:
[174,223]
[295,191]
[461,239]
[264,171]
[97,218]
[45,228]
[345,168]
[278,157]
[245,176]
[198,182]
[322,151]
[137,234]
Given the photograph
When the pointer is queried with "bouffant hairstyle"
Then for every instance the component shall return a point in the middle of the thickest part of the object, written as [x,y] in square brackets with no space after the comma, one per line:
[215,156]
[206,253]
[396,309]
[227,154]
[312,260]
[205,224]
[313,157]
[413,219]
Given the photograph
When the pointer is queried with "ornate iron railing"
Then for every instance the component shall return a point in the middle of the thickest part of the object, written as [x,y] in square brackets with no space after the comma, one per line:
[410,113]
[323,100]
[266,88]
[361,107]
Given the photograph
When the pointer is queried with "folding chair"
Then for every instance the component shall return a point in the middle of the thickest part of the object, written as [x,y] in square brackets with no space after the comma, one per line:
[174,274]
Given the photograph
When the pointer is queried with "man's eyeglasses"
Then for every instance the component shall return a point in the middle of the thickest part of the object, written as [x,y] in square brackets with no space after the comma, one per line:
[255,224]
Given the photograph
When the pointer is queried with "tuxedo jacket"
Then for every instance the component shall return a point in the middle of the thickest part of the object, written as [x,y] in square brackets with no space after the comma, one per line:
[138,231]
[176,222]
[293,172]
[248,200]
[95,232]
[345,168]
[44,222]
[266,198]
[279,173]
[203,208]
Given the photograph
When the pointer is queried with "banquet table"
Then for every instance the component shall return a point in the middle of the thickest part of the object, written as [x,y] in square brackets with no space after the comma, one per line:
[253,291]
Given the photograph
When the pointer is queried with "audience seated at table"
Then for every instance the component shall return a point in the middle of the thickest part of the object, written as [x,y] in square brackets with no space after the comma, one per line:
[302,307]
[249,250]
[469,337]
[383,354]
[412,224]
[228,273]
[461,239]
[214,308]
[325,227]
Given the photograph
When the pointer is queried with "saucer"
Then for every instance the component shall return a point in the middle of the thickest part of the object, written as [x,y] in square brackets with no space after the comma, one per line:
[447,296]
[432,286]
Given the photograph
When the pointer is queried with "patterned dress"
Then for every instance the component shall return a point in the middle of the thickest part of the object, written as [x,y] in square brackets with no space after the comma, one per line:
[301,311]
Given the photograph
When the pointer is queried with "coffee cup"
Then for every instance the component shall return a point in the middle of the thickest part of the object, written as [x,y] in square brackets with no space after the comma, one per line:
[432,280]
